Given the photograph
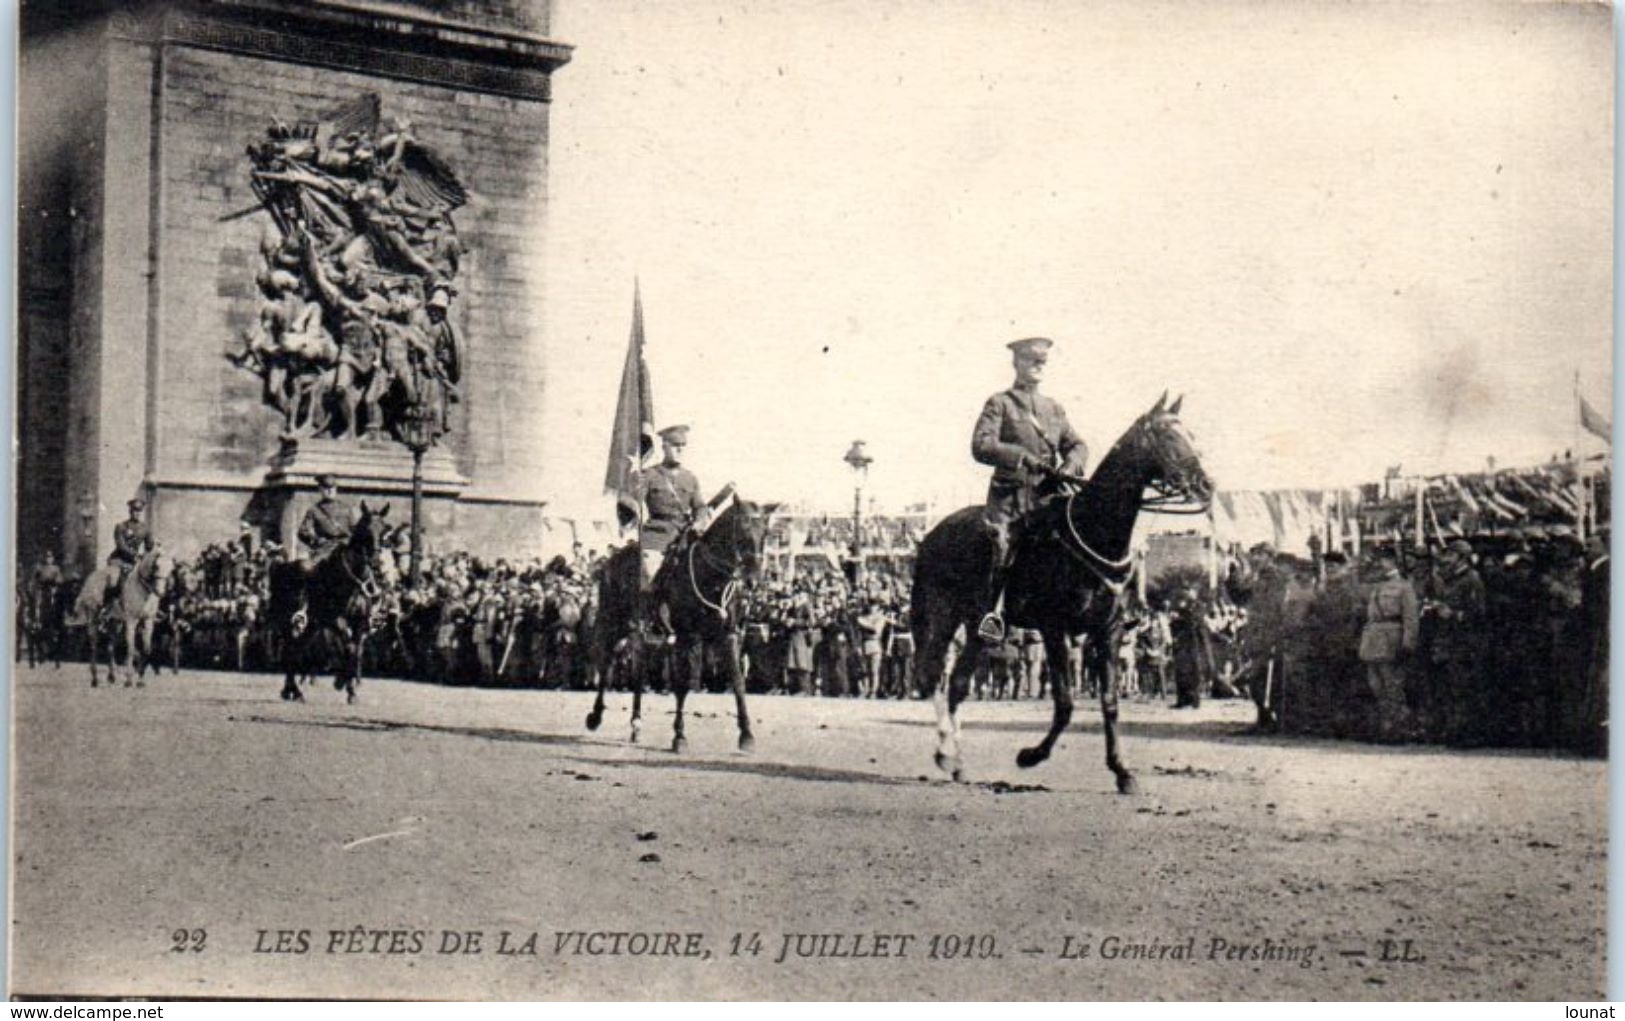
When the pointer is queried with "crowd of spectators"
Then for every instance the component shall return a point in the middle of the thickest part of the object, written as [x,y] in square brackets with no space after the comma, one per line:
[1497,640]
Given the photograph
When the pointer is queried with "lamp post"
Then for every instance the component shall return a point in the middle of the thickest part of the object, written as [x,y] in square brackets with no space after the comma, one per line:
[859,460]
[419,429]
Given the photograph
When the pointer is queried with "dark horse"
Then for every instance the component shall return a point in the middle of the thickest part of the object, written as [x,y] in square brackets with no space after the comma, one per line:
[1070,566]
[330,609]
[700,581]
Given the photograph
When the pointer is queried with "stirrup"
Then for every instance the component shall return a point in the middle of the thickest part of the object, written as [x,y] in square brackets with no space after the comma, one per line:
[991,629]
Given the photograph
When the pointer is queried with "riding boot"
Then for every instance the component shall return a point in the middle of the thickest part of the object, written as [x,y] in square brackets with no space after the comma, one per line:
[991,627]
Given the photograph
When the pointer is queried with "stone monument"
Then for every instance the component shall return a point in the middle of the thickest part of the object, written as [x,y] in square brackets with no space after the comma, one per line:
[261,231]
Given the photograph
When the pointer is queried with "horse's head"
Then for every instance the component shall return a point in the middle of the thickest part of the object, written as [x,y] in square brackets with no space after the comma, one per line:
[372,533]
[1177,475]
[740,531]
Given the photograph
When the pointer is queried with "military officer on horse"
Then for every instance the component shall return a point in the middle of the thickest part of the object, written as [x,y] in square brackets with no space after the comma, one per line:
[131,540]
[672,505]
[1026,437]
[326,525]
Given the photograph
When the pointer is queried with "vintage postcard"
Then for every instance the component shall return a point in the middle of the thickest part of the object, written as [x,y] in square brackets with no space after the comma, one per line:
[548,499]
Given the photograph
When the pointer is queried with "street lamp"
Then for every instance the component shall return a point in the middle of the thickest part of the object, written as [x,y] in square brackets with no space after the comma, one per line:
[859,461]
[419,429]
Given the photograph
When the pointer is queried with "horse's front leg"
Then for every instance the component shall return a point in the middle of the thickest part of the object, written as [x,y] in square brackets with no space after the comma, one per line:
[1060,698]
[603,667]
[684,672]
[140,640]
[736,674]
[358,652]
[635,659]
[291,649]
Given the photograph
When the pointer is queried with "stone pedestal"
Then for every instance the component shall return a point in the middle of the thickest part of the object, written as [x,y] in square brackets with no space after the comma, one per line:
[378,471]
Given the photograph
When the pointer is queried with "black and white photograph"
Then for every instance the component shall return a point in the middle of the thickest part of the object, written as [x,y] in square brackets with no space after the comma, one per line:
[811,500]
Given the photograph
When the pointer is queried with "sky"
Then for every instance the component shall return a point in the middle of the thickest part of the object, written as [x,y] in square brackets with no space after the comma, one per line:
[1353,235]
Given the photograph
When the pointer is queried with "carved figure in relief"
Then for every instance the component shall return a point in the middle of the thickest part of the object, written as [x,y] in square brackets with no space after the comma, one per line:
[353,327]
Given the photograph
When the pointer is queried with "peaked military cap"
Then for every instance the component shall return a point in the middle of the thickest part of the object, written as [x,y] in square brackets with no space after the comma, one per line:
[675,434]
[138,504]
[325,481]
[1031,345]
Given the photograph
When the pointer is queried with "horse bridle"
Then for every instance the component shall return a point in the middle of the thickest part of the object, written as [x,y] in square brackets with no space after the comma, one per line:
[1114,573]
[1172,497]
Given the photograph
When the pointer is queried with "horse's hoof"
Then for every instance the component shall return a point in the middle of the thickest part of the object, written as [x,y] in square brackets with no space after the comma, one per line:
[1126,784]
[349,697]
[747,743]
[594,718]
[948,764]
[679,744]
[1027,758]
[338,684]
[959,774]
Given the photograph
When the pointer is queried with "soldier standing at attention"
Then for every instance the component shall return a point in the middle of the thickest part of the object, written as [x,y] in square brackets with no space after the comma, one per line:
[1023,435]
[672,503]
[327,525]
[1392,619]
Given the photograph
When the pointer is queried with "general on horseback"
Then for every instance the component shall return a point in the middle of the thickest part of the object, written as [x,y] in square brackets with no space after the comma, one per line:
[1026,438]
[321,605]
[1049,551]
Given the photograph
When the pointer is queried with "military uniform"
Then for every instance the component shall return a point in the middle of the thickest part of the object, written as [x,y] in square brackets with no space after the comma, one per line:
[1392,619]
[1457,599]
[1020,433]
[671,500]
[130,540]
[326,526]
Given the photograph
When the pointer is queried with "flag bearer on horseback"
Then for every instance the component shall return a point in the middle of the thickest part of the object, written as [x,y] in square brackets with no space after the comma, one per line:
[131,539]
[1025,436]
[672,504]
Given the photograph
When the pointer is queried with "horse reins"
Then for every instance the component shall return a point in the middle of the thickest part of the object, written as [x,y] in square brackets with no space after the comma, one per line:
[369,588]
[1114,574]
[730,588]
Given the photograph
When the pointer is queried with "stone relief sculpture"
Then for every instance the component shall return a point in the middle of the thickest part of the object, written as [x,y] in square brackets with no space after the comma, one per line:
[353,336]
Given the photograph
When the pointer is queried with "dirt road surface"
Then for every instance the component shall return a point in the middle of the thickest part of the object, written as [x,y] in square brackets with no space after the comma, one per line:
[170,840]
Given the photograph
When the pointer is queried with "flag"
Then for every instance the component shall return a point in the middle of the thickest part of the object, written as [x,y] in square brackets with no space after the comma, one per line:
[1594,423]
[632,439]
